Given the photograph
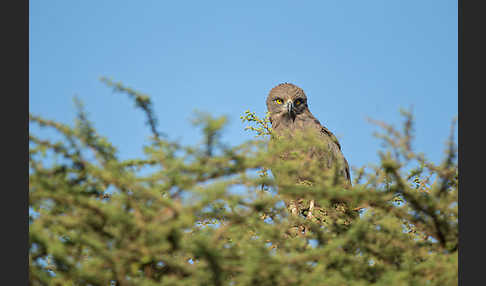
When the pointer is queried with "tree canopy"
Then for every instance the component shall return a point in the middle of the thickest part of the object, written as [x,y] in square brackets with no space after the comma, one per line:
[211,214]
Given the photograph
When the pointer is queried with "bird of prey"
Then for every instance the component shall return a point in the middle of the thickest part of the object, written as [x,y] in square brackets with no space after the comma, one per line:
[290,116]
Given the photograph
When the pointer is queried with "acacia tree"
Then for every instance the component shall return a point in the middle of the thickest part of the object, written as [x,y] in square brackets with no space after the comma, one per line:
[211,214]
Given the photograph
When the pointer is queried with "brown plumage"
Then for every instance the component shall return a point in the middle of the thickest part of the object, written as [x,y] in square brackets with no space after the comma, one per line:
[290,116]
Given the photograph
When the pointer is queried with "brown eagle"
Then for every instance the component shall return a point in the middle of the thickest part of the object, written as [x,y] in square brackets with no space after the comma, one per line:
[291,119]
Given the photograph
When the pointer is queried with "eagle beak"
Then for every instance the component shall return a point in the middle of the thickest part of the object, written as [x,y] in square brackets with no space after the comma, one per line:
[290,107]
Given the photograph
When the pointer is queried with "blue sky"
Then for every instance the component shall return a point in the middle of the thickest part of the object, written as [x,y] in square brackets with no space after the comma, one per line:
[354,59]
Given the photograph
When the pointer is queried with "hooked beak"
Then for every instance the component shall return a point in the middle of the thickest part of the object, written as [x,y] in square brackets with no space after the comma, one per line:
[290,107]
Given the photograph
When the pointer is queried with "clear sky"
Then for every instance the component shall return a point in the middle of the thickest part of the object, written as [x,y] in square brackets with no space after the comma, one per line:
[354,59]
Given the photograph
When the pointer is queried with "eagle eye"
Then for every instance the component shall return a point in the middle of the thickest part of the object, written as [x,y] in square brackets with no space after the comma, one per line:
[278,101]
[298,102]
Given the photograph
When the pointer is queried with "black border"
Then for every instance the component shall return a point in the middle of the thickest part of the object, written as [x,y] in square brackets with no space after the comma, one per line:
[15,101]
[471,145]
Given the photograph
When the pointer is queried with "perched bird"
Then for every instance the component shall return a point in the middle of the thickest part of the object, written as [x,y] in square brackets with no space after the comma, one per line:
[290,116]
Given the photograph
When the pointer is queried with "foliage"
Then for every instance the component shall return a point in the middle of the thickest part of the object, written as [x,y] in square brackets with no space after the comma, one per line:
[210,214]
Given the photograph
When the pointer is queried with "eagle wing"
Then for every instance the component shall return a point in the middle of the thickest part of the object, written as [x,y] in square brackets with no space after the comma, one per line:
[336,150]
